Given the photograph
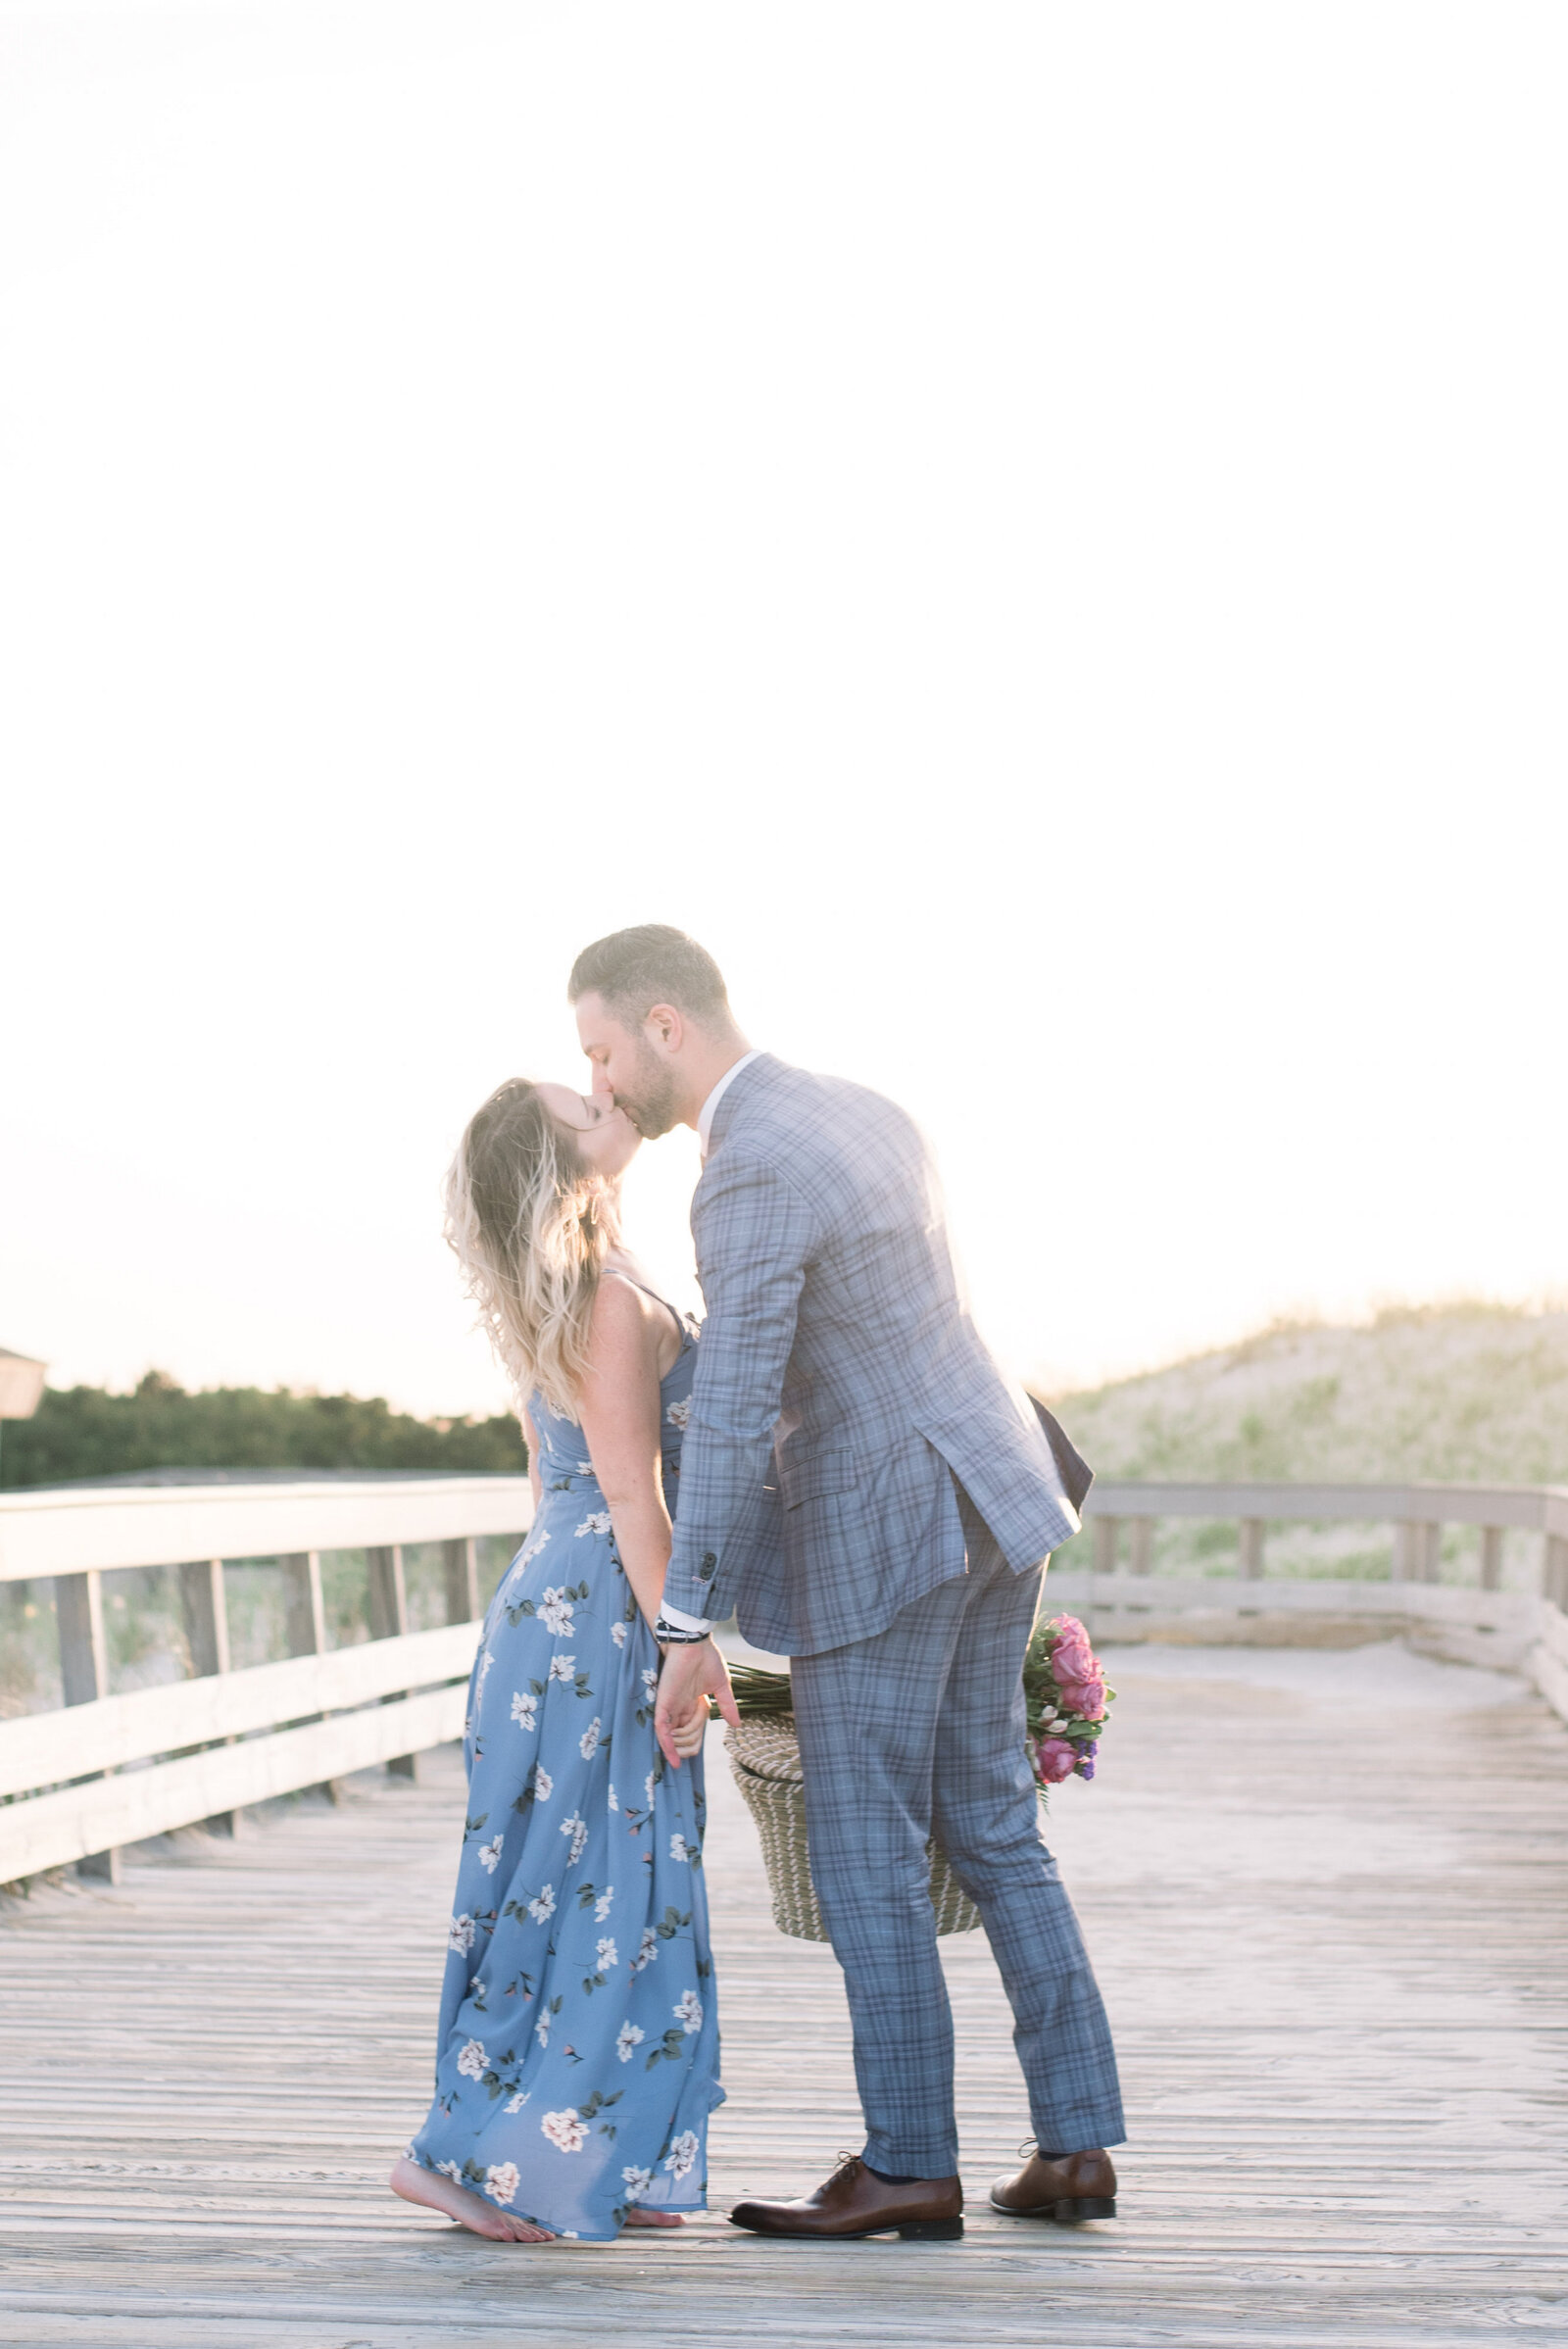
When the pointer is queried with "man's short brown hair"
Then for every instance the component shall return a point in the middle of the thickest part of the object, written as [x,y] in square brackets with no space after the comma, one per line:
[652,963]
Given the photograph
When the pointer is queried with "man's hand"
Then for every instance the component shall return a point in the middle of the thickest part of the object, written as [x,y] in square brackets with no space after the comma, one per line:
[691,1673]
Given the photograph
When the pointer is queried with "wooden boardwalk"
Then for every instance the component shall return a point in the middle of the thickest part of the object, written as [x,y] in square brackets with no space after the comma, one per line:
[1331,1939]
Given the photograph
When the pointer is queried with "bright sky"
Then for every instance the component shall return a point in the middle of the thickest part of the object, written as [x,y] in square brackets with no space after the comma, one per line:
[1037,532]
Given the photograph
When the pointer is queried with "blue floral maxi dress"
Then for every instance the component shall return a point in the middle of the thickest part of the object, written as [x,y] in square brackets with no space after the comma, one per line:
[577,2052]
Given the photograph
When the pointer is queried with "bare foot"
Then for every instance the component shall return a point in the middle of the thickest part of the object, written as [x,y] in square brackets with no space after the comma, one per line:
[637,2218]
[472,2211]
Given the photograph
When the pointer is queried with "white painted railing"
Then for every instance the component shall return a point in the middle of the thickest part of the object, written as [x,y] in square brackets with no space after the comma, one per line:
[1417,1513]
[108,1770]
[1519,1631]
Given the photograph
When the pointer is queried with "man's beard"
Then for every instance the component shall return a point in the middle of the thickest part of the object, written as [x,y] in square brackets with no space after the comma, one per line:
[652,1108]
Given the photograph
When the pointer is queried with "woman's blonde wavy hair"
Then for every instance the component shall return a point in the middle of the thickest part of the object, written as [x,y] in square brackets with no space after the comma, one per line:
[530,1224]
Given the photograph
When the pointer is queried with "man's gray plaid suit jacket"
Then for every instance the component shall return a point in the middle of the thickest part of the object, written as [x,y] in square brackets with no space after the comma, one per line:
[840,1379]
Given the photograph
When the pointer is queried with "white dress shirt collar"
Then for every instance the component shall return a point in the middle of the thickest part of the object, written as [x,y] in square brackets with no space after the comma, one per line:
[704,1115]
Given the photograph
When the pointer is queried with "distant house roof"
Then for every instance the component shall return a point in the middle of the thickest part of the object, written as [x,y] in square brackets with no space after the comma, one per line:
[20,1383]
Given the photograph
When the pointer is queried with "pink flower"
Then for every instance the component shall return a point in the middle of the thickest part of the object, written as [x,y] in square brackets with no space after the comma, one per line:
[1070,1651]
[1087,1697]
[1054,1759]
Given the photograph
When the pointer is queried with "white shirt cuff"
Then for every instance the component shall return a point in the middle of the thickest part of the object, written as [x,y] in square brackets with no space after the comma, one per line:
[682,1622]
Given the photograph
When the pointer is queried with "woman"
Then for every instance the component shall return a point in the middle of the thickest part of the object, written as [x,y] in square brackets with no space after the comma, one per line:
[577,2051]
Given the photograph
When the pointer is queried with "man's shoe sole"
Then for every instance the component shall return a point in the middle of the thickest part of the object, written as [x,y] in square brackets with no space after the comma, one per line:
[911,2231]
[1070,2211]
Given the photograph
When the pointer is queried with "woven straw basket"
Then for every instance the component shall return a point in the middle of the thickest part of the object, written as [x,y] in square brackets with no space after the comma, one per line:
[765,1756]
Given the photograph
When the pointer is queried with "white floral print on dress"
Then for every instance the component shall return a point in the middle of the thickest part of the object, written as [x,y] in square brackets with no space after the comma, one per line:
[677,1848]
[607,1954]
[567,2130]
[613,1804]
[544,1786]
[682,2153]
[544,1908]
[556,1614]
[461,1933]
[617,1632]
[649,1784]
[501,2182]
[577,1830]
[525,1708]
[450,2169]
[647,1950]
[489,1855]
[588,1743]
[636,2181]
[627,2039]
[688,2011]
[473,2062]
[514,2104]
[679,1414]
[599,1522]
[601,1904]
[541,2030]
[561,1668]
[651,1678]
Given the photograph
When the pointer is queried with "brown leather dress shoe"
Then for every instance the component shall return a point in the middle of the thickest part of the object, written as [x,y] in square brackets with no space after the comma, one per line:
[854,2202]
[1078,2186]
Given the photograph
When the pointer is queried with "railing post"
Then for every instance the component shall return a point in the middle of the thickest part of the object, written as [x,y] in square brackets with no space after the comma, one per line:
[1253,1529]
[205,1613]
[1401,1567]
[1428,1552]
[1107,1530]
[462,1561]
[1492,1557]
[304,1624]
[389,1602]
[1142,1544]
[1554,1571]
[389,1620]
[205,1609]
[84,1671]
[304,1615]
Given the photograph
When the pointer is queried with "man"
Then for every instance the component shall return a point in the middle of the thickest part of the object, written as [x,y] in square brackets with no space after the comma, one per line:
[869,1494]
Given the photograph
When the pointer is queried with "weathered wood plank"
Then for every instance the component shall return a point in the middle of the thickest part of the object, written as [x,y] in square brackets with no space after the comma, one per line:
[68,1532]
[40,1748]
[52,1830]
[1333,1961]
[1544,1507]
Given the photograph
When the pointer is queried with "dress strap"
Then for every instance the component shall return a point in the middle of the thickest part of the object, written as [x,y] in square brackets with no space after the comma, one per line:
[632,1282]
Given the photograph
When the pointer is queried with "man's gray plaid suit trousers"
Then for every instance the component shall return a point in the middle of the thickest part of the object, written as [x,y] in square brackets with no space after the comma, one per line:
[919,1731]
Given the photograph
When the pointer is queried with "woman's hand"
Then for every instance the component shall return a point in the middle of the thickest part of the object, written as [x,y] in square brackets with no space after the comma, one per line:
[687,1736]
[690,1674]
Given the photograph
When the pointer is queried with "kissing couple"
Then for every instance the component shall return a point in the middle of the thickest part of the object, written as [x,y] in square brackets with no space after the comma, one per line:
[833,1456]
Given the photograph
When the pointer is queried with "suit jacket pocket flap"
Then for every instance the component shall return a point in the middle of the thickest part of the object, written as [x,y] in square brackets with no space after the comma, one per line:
[807,1478]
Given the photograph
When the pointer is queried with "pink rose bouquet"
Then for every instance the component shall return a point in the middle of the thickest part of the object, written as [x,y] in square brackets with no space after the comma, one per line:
[1067,1699]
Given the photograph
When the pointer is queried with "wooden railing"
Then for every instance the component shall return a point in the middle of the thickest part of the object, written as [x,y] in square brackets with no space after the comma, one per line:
[1524,1630]
[107,1770]
[1418,1515]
